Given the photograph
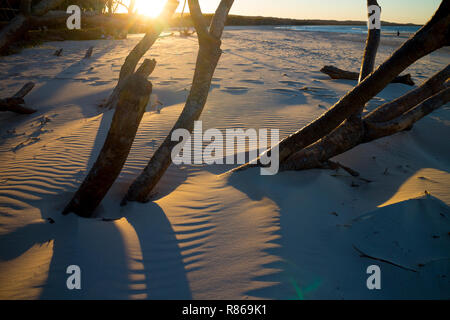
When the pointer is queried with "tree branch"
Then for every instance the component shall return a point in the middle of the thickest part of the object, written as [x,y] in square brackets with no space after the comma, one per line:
[407,120]
[207,60]
[432,36]
[220,18]
[198,20]
[402,104]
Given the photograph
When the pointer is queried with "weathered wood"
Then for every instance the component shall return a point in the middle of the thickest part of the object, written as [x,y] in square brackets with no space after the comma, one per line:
[141,49]
[58,52]
[407,120]
[26,89]
[89,53]
[207,60]
[402,104]
[339,74]
[16,103]
[342,139]
[434,35]
[391,119]
[371,49]
[133,99]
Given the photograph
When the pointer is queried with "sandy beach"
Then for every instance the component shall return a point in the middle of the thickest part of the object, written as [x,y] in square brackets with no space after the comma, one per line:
[295,235]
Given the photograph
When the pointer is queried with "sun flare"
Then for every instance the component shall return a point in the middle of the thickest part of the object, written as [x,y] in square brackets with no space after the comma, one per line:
[151,8]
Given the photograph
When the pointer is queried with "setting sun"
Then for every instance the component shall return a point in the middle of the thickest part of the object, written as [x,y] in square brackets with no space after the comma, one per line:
[151,8]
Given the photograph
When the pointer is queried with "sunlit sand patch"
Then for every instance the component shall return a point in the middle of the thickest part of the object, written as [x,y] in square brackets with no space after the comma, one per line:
[424,181]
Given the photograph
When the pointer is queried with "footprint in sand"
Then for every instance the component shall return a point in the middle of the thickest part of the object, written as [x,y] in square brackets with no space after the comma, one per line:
[291,83]
[167,82]
[253,81]
[285,91]
[100,83]
[235,90]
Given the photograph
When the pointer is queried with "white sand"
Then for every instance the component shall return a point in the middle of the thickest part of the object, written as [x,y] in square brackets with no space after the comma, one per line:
[207,236]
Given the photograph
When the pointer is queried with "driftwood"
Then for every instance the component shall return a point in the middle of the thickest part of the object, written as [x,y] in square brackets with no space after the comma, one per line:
[132,60]
[207,60]
[338,74]
[368,61]
[16,103]
[364,255]
[133,99]
[89,53]
[371,49]
[405,121]
[58,53]
[373,126]
[399,106]
[129,99]
[297,147]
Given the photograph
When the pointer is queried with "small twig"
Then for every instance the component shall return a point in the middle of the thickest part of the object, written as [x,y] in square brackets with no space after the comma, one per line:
[335,165]
[364,255]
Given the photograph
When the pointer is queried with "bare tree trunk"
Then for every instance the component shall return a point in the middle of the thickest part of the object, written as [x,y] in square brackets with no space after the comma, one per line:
[399,106]
[407,120]
[338,74]
[16,103]
[141,49]
[372,44]
[20,24]
[207,60]
[434,35]
[133,99]
[352,133]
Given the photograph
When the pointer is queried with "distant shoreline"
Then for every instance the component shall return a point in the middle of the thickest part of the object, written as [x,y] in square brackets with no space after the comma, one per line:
[237,20]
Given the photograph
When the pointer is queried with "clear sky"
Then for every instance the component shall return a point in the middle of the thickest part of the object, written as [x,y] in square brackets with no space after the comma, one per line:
[403,11]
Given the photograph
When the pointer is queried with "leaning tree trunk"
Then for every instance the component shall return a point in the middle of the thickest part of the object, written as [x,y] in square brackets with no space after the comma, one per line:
[405,121]
[400,105]
[133,99]
[141,49]
[207,60]
[352,130]
[372,44]
[352,133]
[21,23]
[434,35]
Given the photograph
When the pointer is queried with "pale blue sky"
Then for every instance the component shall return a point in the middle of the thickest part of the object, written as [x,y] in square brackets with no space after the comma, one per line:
[404,11]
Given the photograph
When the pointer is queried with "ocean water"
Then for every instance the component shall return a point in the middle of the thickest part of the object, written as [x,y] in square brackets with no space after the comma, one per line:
[404,30]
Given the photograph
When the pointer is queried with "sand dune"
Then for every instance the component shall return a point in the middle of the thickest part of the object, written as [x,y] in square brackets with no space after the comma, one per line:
[208,235]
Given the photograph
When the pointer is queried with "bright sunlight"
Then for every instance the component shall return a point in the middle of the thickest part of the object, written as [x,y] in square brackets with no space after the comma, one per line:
[151,8]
